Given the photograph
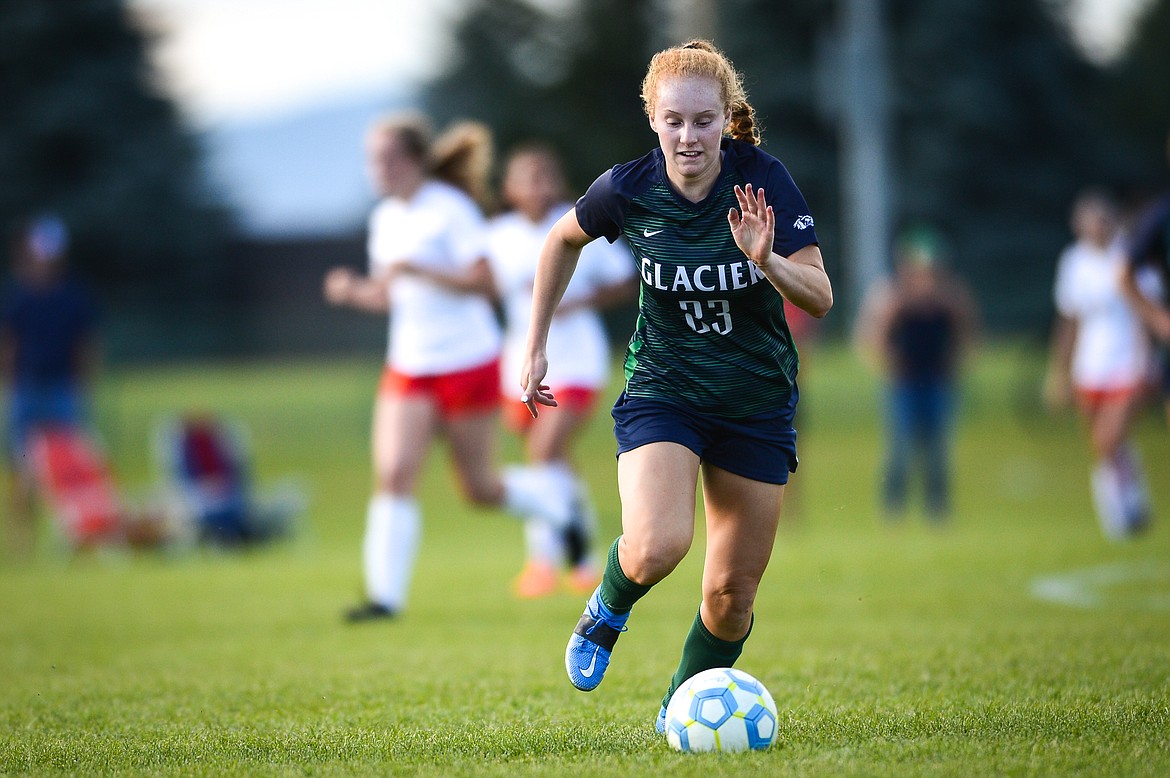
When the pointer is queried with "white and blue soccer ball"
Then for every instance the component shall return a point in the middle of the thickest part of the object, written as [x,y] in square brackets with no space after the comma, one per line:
[721,709]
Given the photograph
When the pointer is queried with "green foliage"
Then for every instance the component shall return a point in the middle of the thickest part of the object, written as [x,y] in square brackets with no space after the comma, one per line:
[997,119]
[566,77]
[995,133]
[84,132]
[891,649]
[1140,105]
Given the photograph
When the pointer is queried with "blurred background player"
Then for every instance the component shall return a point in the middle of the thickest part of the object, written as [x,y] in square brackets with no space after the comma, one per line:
[1147,278]
[916,329]
[1101,358]
[48,353]
[534,190]
[428,268]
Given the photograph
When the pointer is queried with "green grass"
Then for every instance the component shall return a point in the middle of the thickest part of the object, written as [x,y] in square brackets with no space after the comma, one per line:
[890,649]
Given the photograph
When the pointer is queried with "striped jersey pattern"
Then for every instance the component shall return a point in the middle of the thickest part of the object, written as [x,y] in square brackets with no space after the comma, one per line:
[710,331]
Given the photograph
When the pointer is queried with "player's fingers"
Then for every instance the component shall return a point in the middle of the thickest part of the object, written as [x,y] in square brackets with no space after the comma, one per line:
[733,217]
[742,198]
[539,396]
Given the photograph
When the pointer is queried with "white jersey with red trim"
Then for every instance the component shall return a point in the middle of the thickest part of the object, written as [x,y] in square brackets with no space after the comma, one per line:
[433,329]
[578,350]
[1111,350]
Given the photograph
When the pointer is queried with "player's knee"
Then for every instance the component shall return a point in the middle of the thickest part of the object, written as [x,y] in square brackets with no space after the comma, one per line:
[730,606]
[482,493]
[394,480]
[647,560]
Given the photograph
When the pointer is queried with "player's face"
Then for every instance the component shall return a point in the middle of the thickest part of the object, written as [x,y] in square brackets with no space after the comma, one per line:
[689,116]
[532,185]
[391,169]
[1094,222]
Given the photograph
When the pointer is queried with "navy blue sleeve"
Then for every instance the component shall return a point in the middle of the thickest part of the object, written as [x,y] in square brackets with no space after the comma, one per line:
[1152,233]
[794,221]
[601,211]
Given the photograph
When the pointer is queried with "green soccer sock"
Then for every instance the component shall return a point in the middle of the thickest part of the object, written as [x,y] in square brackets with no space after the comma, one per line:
[619,593]
[702,651]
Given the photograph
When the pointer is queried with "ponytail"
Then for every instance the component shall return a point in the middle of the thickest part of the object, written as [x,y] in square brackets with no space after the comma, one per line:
[462,156]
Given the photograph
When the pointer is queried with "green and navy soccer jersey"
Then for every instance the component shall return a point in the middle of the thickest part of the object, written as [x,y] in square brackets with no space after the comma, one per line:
[711,331]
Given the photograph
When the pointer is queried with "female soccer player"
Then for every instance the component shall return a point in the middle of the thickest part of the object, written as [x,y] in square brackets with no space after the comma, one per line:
[428,266]
[721,236]
[534,190]
[1101,357]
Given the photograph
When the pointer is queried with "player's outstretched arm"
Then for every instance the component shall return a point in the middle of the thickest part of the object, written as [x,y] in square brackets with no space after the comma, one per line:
[345,287]
[558,260]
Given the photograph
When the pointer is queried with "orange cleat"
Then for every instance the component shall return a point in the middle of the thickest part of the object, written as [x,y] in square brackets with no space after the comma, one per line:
[537,579]
[583,579]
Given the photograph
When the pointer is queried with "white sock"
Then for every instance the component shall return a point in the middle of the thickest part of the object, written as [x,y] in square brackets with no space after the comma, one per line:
[1134,492]
[587,517]
[535,492]
[544,543]
[393,529]
[1108,499]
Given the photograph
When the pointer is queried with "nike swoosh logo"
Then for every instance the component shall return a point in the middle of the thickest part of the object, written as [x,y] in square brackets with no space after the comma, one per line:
[587,671]
[650,233]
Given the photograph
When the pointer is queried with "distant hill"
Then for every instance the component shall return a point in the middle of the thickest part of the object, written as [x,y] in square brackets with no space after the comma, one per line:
[300,173]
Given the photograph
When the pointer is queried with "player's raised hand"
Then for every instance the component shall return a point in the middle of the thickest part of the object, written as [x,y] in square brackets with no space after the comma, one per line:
[754,225]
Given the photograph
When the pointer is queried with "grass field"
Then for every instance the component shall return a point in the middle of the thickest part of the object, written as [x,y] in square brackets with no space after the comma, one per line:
[1015,641]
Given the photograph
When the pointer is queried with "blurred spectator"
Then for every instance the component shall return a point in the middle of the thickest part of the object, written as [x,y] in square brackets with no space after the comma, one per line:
[534,190]
[916,329]
[1100,358]
[206,460]
[48,328]
[1147,278]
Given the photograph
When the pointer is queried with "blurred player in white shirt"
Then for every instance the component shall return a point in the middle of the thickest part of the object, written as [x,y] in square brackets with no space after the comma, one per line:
[1101,359]
[428,269]
[534,191]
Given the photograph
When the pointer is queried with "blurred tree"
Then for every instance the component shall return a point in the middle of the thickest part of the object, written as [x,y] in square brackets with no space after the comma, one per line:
[997,117]
[996,124]
[1139,92]
[784,55]
[85,132]
[568,76]
[995,133]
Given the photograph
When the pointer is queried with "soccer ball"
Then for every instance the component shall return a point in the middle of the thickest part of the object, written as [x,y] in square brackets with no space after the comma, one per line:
[721,710]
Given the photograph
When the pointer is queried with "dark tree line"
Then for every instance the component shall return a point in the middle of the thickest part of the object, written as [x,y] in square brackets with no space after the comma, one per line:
[998,119]
[84,132]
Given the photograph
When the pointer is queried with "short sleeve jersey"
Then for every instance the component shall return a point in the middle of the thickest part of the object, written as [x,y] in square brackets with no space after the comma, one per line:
[1110,350]
[433,329]
[710,332]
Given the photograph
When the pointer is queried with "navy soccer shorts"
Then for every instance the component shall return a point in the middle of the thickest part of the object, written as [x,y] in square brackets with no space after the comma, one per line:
[760,447]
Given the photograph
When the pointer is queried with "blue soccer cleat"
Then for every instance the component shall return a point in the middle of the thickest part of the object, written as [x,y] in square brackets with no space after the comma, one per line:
[660,723]
[590,645]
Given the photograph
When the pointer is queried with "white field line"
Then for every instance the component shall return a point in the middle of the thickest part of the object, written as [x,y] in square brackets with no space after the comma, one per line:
[1089,587]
